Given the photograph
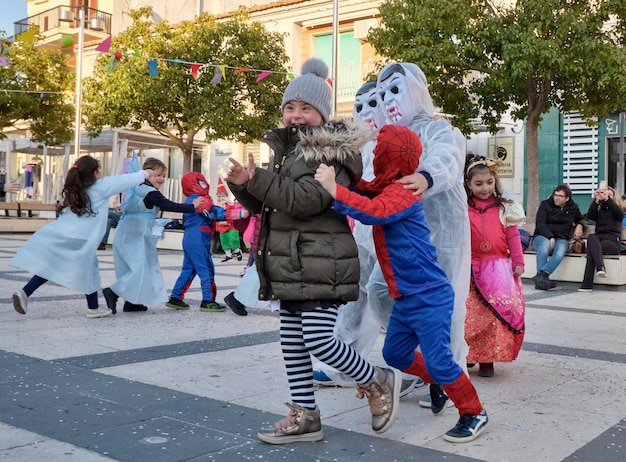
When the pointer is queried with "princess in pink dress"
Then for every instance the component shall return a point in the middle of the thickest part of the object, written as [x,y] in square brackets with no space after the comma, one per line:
[494,325]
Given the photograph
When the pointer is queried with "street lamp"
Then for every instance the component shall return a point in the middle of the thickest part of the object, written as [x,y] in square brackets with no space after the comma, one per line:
[79,75]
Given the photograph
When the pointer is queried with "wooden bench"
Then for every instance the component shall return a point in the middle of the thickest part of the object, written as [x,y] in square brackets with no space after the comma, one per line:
[26,216]
[572,267]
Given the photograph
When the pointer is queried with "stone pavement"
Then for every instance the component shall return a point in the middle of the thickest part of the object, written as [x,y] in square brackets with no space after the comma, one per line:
[191,386]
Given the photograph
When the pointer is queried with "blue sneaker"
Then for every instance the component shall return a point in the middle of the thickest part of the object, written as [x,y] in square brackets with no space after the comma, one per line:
[467,428]
[320,378]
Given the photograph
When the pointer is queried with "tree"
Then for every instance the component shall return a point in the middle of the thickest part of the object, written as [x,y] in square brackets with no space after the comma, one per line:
[482,60]
[174,103]
[38,87]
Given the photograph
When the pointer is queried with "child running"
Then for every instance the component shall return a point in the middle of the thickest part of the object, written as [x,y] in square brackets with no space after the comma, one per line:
[494,326]
[306,256]
[199,226]
[424,299]
[139,279]
[64,251]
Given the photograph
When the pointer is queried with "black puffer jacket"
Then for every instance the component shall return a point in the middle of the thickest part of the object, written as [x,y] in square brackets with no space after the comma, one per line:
[305,249]
[558,222]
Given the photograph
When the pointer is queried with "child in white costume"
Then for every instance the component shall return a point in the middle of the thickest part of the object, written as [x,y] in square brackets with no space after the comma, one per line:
[139,278]
[359,322]
[404,91]
[64,251]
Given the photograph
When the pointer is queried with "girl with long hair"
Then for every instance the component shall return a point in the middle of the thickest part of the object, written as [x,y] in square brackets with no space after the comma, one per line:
[64,251]
[494,324]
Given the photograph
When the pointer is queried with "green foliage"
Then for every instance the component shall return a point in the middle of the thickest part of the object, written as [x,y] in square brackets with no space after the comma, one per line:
[535,54]
[530,56]
[30,72]
[174,103]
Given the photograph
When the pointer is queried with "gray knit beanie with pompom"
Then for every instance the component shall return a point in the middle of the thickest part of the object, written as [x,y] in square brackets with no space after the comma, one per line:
[311,87]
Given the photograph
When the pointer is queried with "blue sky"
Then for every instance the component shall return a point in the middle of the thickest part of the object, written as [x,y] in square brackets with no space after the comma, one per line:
[12,10]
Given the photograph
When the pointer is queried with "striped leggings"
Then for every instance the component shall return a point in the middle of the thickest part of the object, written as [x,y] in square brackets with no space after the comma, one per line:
[307,333]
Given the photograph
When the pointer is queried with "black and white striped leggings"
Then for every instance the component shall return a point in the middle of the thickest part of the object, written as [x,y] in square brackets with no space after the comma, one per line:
[307,333]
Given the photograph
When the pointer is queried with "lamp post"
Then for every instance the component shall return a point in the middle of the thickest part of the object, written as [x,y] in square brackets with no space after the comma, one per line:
[79,75]
[335,52]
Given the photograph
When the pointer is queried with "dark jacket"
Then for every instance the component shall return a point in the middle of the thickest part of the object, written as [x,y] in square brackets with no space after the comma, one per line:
[608,217]
[558,222]
[305,249]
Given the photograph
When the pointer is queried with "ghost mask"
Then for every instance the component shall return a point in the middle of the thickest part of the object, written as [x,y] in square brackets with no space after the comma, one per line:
[368,108]
[403,90]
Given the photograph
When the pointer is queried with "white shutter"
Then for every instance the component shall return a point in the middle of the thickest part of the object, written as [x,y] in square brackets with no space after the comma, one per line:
[580,154]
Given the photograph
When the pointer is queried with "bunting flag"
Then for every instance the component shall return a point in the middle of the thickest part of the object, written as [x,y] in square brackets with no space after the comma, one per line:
[4,61]
[153,67]
[240,70]
[262,75]
[114,61]
[28,35]
[105,45]
[195,67]
[217,76]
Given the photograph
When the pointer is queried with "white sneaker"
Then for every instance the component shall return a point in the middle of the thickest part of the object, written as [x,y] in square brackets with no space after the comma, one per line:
[20,300]
[426,401]
[601,273]
[99,313]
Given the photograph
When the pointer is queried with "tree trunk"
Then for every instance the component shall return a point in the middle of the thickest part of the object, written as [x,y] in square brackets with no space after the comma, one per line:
[532,153]
[186,160]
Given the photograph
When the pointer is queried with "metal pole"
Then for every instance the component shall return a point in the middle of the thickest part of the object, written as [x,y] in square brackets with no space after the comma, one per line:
[79,76]
[335,52]
[619,171]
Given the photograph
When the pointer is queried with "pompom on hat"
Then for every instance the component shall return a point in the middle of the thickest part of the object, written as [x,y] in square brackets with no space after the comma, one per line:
[311,87]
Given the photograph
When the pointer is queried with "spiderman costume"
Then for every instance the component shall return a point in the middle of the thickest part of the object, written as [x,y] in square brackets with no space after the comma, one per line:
[197,239]
[423,295]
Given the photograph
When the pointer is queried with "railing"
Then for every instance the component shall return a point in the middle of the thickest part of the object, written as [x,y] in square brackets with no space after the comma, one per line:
[65,16]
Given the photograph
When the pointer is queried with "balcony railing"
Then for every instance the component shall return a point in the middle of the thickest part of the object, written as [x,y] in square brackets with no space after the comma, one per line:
[64,17]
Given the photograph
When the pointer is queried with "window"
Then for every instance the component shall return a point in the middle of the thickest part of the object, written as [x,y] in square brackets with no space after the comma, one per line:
[349,64]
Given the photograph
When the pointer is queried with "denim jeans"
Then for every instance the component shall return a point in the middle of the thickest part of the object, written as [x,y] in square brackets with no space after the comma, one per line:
[541,245]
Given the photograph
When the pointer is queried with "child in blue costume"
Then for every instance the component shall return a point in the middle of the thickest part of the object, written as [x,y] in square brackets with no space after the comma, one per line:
[199,227]
[139,279]
[64,251]
[424,298]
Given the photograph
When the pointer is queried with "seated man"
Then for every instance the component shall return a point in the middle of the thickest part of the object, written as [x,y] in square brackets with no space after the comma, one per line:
[558,219]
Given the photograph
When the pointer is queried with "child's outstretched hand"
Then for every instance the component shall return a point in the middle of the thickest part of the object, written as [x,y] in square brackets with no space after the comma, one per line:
[238,174]
[197,202]
[325,175]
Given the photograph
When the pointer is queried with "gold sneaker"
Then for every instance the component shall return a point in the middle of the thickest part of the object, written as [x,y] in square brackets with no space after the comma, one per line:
[301,424]
[383,394]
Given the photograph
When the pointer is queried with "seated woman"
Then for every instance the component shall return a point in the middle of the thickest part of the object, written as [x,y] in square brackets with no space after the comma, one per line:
[607,211]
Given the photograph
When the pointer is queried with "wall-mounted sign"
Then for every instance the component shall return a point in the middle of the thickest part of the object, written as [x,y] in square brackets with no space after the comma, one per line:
[502,147]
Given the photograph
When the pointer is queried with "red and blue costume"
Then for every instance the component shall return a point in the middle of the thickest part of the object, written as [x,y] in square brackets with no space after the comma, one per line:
[199,227]
[423,296]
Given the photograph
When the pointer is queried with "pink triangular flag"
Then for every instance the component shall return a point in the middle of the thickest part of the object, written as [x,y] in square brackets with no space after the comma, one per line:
[105,45]
[195,67]
[262,75]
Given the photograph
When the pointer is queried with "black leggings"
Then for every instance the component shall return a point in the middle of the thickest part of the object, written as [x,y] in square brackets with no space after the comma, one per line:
[597,247]
[37,281]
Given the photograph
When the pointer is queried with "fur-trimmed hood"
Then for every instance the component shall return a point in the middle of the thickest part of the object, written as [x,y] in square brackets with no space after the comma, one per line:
[336,142]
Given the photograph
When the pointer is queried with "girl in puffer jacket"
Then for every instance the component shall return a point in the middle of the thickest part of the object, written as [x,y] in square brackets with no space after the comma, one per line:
[306,256]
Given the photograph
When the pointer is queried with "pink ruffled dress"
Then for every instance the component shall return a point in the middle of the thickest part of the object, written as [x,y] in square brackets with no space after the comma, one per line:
[494,324]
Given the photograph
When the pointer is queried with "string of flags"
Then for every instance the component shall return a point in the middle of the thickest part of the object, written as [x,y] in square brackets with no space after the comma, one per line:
[219,70]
